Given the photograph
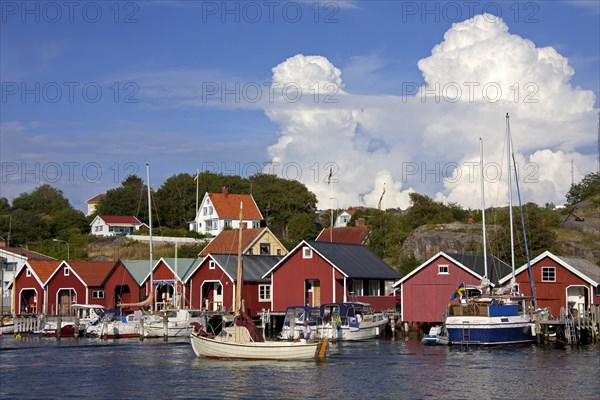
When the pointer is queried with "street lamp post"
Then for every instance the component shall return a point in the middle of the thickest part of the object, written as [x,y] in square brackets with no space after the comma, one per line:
[68,248]
[2,289]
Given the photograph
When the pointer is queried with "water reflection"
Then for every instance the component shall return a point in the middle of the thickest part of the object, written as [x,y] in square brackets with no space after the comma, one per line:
[45,368]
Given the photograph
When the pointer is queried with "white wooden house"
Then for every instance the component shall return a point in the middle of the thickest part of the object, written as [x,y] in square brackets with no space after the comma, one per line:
[220,210]
[113,225]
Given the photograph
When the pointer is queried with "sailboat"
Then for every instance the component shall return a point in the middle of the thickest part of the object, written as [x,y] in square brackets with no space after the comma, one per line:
[131,325]
[502,317]
[241,341]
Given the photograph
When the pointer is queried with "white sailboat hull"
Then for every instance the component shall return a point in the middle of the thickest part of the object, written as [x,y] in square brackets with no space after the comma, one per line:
[219,348]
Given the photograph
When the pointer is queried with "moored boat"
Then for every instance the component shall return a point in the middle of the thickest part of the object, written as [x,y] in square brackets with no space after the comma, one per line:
[436,335]
[180,323]
[350,321]
[295,316]
[241,341]
[493,317]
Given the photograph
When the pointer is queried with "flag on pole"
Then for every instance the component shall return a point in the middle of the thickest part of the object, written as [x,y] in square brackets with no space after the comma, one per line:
[330,175]
[381,199]
[196,177]
[459,292]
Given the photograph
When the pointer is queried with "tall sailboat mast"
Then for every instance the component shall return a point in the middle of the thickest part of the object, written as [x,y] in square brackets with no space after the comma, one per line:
[510,200]
[239,281]
[150,233]
[485,265]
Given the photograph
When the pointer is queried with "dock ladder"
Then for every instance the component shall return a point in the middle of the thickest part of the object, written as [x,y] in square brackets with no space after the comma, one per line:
[466,333]
[570,332]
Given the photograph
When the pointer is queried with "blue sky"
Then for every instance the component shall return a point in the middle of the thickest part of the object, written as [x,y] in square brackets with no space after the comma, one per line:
[93,92]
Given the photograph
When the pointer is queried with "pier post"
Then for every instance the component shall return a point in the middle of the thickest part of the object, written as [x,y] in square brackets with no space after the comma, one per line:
[165,327]
[58,327]
[142,328]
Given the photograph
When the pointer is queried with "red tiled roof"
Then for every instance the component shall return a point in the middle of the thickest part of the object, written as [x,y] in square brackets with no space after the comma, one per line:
[228,206]
[31,255]
[348,234]
[43,269]
[227,241]
[116,219]
[96,198]
[93,273]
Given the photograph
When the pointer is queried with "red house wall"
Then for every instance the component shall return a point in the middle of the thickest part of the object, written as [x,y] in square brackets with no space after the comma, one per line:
[426,294]
[550,294]
[60,281]
[120,277]
[22,281]
[203,274]
[289,280]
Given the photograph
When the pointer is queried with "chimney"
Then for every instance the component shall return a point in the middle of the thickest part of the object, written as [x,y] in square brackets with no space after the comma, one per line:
[225,191]
[360,222]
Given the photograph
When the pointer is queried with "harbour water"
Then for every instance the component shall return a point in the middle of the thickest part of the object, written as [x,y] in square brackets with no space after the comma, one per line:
[44,368]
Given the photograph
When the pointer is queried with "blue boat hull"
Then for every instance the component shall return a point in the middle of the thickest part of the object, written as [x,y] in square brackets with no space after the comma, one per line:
[490,335]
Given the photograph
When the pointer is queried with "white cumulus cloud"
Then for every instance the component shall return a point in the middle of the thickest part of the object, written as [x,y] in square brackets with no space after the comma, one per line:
[428,141]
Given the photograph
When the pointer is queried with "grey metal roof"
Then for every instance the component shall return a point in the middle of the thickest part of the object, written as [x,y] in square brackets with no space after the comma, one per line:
[584,266]
[355,260]
[139,269]
[496,269]
[254,266]
[184,266]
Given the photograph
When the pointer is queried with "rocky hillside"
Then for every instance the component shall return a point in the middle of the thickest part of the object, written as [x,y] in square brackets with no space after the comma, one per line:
[578,235]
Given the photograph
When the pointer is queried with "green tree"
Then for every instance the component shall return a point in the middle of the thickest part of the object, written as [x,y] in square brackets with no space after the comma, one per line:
[279,199]
[130,199]
[538,227]
[300,227]
[385,235]
[408,263]
[44,214]
[588,187]
[176,201]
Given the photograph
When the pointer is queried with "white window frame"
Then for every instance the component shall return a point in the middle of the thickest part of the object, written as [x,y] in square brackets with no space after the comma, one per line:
[67,272]
[548,270]
[212,264]
[357,287]
[264,292]
[97,294]
[307,252]
[442,267]
[27,272]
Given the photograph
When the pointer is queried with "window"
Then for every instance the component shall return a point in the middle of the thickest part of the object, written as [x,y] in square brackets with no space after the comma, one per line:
[28,272]
[278,252]
[211,264]
[97,294]
[67,272]
[250,251]
[265,248]
[306,252]
[228,223]
[357,287]
[215,225]
[442,270]
[203,210]
[548,274]
[210,210]
[373,288]
[264,292]
[256,224]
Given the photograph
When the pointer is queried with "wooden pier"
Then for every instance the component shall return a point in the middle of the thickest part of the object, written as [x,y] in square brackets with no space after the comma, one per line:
[577,326]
